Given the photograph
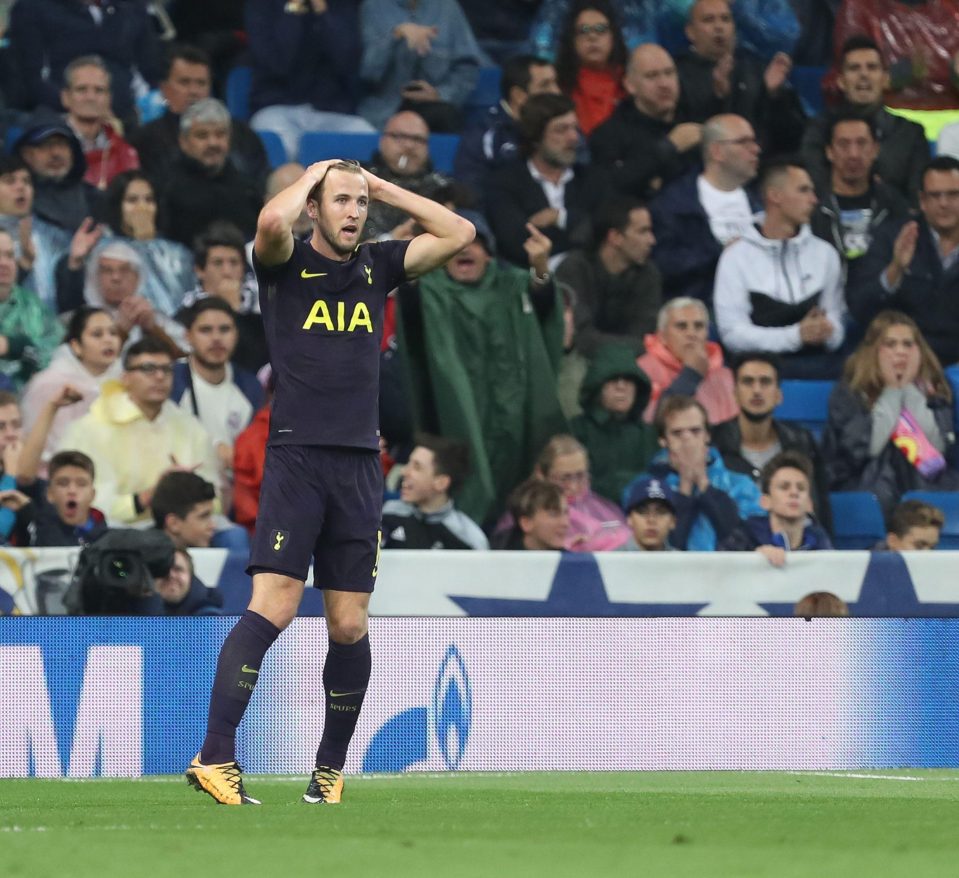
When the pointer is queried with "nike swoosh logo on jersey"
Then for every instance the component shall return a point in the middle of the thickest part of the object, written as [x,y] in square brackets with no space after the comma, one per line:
[306,275]
[246,669]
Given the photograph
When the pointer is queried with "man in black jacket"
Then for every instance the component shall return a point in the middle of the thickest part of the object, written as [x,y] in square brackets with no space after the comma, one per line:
[716,77]
[903,148]
[754,437]
[647,141]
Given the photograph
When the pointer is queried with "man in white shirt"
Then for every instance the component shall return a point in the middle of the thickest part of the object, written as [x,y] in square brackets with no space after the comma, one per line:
[698,215]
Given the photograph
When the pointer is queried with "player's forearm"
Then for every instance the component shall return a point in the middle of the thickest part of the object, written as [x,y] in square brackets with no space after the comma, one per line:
[283,209]
[432,216]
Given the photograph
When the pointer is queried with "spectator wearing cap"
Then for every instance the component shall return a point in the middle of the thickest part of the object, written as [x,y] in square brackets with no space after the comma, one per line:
[54,156]
[613,396]
[86,97]
[545,188]
[203,185]
[787,526]
[482,342]
[651,515]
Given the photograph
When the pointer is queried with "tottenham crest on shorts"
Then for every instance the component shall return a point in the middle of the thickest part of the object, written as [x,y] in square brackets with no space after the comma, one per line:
[279,539]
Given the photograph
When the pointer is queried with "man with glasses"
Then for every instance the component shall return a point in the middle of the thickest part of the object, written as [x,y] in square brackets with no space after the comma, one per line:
[699,214]
[134,435]
[402,158]
[913,266]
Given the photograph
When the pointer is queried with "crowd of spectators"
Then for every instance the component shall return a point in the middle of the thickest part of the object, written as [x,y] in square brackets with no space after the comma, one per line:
[664,234]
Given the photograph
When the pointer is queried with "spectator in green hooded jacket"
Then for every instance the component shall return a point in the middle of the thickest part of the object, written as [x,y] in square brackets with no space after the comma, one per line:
[614,393]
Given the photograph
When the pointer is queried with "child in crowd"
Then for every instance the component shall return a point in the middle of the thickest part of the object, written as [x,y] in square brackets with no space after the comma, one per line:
[789,527]
[914,527]
[651,513]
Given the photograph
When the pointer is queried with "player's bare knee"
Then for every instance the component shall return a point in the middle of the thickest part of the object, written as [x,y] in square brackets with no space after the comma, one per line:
[347,629]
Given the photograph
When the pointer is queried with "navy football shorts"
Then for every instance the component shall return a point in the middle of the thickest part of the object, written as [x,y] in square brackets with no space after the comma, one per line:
[323,504]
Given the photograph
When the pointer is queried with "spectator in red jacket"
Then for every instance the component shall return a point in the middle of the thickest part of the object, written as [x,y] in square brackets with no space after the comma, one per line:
[249,457]
[86,97]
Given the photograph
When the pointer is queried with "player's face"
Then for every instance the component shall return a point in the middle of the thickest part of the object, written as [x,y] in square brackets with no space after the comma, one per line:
[852,151]
[919,538]
[16,193]
[208,143]
[341,212]
[11,425]
[420,482]
[862,78]
[618,395]
[651,524]
[118,280]
[788,495]
[711,31]
[87,97]
[546,528]
[185,85]
[8,265]
[71,492]
[470,264]
[175,586]
[560,141]
[213,338]
[51,159]
[99,343]
[148,379]
[196,529]
[757,389]
[686,330]
[139,199]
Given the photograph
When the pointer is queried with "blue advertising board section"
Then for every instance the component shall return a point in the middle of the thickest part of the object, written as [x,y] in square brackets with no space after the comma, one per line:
[550,584]
[125,697]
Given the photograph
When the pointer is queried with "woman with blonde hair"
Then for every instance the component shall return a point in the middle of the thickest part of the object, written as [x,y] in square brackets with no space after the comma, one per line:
[890,427]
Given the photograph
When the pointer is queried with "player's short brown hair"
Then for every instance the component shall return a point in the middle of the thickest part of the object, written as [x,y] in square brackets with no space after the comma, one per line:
[351,166]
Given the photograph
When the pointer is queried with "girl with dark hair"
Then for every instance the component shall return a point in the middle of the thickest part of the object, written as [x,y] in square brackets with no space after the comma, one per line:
[890,427]
[66,389]
[591,61]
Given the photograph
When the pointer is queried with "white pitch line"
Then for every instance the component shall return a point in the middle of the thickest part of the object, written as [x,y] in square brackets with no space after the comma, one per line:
[866,776]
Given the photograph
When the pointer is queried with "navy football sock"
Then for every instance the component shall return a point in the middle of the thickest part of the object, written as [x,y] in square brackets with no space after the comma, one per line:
[345,678]
[237,671]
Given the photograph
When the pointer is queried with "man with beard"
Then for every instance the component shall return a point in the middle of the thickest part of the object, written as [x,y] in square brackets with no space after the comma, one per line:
[203,184]
[750,440]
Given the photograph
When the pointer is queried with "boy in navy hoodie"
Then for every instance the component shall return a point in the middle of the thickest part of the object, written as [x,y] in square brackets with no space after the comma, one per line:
[789,527]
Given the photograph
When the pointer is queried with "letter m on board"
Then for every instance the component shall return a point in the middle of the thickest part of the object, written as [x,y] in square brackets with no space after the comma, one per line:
[108,722]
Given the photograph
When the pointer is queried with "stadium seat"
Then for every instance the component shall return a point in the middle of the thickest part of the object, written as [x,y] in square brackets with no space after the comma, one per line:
[443,150]
[238,83]
[948,502]
[806,403]
[315,146]
[857,520]
[485,95]
[275,151]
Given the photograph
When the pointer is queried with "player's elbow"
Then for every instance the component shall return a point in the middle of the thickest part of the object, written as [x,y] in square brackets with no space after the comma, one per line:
[271,223]
[464,233]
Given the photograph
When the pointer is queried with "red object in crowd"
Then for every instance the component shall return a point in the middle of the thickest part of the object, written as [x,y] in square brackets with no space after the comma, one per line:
[596,95]
[115,158]
[249,458]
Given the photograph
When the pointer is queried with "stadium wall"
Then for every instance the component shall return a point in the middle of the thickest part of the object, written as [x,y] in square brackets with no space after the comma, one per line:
[125,697]
[550,584]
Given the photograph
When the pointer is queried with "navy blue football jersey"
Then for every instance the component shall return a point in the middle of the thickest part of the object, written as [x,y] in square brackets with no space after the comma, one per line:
[324,323]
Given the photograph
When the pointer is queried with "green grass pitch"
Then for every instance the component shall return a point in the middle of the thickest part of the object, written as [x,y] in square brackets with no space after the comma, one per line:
[702,824]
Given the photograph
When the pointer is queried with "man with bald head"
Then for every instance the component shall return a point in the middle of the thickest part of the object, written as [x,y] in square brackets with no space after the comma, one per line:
[717,77]
[646,142]
[697,215]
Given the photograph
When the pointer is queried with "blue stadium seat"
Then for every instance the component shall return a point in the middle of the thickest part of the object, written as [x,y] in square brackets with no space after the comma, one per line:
[275,151]
[315,146]
[948,502]
[857,520]
[808,84]
[485,95]
[238,83]
[806,403]
[442,151]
